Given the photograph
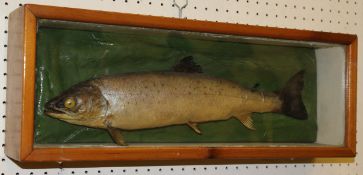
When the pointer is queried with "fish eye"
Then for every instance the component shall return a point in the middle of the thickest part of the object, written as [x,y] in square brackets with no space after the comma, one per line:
[70,103]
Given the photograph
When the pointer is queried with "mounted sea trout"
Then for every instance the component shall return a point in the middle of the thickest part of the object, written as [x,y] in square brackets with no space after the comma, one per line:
[151,100]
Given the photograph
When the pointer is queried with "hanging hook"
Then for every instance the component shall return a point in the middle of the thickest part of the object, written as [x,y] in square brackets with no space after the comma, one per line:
[180,8]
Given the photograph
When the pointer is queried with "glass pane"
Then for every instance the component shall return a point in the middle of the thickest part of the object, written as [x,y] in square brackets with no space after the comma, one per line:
[69,53]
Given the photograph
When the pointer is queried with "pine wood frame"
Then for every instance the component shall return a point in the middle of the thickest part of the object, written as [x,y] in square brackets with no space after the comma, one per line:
[21,89]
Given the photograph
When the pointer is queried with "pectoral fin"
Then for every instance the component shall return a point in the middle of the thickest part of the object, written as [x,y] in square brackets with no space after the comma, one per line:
[247,121]
[116,136]
[115,133]
[194,126]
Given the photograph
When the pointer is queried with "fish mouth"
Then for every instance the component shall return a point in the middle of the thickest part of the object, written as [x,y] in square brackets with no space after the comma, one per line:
[50,108]
[58,114]
[52,111]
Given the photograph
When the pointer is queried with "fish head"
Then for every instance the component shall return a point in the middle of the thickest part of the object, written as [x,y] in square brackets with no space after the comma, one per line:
[80,104]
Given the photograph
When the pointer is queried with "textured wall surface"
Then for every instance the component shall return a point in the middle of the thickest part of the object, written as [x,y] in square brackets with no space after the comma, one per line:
[340,16]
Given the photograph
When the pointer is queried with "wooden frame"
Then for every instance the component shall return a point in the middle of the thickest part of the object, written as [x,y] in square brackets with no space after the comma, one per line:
[21,78]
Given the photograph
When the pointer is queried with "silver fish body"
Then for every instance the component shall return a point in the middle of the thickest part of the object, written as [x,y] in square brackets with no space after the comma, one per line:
[149,100]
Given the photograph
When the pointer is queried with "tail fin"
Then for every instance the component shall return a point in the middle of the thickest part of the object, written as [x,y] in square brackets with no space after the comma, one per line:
[292,103]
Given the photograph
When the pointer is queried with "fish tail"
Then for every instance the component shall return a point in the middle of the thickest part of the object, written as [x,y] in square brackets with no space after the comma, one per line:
[292,102]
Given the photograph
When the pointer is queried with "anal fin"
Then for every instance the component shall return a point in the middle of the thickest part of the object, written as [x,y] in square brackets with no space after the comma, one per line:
[247,121]
[194,126]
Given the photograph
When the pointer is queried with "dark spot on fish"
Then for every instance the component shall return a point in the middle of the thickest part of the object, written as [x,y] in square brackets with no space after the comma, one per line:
[146,87]
[189,93]
[162,84]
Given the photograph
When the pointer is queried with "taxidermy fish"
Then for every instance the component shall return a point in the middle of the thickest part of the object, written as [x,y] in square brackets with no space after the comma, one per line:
[155,99]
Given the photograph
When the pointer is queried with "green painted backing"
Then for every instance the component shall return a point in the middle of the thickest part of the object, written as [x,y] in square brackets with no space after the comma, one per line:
[66,57]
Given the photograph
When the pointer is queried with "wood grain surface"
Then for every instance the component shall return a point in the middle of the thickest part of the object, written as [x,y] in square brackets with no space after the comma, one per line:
[21,79]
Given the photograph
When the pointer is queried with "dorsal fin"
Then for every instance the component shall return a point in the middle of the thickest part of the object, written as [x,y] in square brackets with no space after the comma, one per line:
[187,65]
